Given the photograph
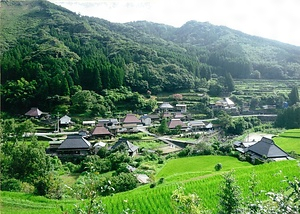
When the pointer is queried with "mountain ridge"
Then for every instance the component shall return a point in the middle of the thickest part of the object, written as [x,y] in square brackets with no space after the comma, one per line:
[60,50]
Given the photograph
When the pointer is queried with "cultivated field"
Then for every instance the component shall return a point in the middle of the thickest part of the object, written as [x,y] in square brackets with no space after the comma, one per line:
[195,174]
[289,140]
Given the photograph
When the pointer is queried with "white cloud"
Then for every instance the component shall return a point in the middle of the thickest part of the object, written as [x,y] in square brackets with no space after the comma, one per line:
[274,19]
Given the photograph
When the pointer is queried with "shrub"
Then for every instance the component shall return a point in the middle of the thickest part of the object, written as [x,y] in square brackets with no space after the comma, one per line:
[161,180]
[12,185]
[218,166]
[152,185]
[49,186]
[160,161]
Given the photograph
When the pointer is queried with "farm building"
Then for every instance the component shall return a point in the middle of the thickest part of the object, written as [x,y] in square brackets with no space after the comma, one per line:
[101,132]
[75,145]
[34,112]
[265,149]
[125,144]
[176,122]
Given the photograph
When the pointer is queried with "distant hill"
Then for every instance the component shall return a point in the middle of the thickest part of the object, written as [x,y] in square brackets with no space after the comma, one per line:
[58,50]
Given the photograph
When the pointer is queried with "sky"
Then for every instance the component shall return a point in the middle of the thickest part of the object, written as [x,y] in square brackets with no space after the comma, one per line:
[274,19]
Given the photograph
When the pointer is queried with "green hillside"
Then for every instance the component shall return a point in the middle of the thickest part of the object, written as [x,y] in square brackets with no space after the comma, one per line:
[45,45]
[157,200]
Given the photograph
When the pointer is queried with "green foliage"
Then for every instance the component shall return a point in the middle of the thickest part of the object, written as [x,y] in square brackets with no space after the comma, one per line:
[186,203]
[94,163]
[218,166]
[289,118]
[294,96]
[230,192]
[163,128]
[49,186]
[37,162]
[11,184]
[121,183]
[19,93]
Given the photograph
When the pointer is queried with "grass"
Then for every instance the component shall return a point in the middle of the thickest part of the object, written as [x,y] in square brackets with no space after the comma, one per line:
[289,140]
[205,182]
[20,203]
[149,144]
[157,200]
[186,168]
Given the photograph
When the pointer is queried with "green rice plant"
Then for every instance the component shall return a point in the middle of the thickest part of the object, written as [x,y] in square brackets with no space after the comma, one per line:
[289,140]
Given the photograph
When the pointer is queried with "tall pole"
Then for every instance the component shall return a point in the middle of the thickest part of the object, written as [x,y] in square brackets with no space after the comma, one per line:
[57,121]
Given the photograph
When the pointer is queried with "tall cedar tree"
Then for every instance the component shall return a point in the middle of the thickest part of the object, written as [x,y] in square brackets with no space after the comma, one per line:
[294,96]
[229,84]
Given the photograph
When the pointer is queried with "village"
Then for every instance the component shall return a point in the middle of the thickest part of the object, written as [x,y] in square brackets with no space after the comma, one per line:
[107,133]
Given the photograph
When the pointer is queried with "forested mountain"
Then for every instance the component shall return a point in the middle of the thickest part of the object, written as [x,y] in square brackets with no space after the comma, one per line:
[49,51]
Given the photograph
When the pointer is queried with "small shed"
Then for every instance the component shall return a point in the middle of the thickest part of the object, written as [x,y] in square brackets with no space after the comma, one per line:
[181,107]
[98,146]
[65,120]
[143,178]
[146,120]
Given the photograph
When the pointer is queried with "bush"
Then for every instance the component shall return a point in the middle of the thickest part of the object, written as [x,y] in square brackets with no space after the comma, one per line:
[12,185]
[160,161]
[152,185]
[161,180]
[49,186]
[218,166]
[72,167]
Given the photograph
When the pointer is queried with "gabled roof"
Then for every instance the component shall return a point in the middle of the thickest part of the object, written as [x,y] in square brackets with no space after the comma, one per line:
[34,112]
[65,120]
[129,146]
[75,142]
[267,147]
[166,106]
[196,123]
[100,130]
[131,118]
[229,101]
[176,122]
[179,115]
[153,116]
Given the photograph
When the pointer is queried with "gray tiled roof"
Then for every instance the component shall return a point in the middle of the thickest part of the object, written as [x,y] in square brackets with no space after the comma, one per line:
[75,142]
[129,146]
[267,147]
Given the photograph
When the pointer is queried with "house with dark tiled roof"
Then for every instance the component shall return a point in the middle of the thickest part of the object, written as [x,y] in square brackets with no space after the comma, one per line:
[126,145]
[75,145]
[175,123]
[266,149]
[101,132]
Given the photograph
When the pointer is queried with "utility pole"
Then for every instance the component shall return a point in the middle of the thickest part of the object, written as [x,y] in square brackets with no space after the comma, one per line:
[57,122]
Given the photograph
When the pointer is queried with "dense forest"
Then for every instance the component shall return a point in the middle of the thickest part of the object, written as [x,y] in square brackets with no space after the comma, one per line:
[49,54]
